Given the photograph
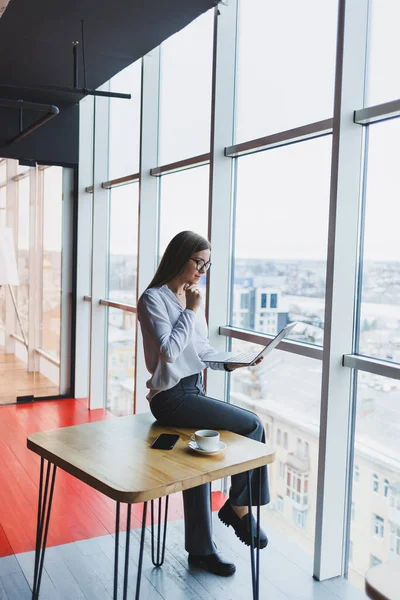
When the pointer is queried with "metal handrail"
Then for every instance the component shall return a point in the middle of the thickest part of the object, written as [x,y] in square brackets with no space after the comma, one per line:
[126,307]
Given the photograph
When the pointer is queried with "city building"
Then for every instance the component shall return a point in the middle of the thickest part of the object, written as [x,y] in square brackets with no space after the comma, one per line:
[257,307]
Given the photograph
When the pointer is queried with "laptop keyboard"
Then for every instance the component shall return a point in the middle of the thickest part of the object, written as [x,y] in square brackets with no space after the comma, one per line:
[244,357]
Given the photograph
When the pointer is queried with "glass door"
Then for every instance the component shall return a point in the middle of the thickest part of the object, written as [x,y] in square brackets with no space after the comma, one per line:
[35,330]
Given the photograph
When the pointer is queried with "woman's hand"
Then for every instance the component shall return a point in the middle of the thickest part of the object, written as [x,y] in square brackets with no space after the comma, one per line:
[193,298]
[234,366]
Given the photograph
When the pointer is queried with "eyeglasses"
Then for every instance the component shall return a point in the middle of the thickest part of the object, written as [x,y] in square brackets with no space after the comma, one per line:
[201,264]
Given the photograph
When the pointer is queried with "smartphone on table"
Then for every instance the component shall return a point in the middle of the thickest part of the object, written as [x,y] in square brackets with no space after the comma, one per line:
[165,441]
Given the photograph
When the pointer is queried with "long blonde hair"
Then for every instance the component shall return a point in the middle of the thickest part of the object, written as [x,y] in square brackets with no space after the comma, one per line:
[176,255]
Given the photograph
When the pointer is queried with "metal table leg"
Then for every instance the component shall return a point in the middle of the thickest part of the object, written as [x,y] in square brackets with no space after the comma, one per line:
[139,575]
[43,519]
[255,550]
[158,561]
[127,550]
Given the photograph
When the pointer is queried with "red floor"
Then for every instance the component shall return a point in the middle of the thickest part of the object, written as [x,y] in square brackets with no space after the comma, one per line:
[79,512]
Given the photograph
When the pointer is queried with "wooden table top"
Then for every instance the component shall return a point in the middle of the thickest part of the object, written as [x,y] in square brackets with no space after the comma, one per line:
[115,457]
[383,581]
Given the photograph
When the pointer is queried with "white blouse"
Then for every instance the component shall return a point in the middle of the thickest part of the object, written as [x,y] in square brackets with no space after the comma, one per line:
[175,339]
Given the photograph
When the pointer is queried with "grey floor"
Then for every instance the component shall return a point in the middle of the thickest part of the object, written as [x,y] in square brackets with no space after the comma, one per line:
[84,571]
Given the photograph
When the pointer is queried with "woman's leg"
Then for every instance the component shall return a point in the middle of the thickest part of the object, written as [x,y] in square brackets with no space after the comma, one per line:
[187,407]
[198,520]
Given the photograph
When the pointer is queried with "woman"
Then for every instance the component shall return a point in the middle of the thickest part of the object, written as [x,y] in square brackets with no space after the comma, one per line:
[176,349]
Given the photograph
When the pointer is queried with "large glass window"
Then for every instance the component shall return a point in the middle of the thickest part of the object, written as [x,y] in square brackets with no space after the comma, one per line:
[383,77]
[23,253]
[3,170]
[37,226]
[183,204]
[377,456]
[286,65]
[395,539]
[122,272]
[121,361]
[3,195]
[380,293]
[281,239]
[52,249]
[125,122]
[272,391]
[185,100]
[122,269]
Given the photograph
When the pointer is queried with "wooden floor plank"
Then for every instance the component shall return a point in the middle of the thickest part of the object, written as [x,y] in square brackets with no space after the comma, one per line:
[3,593]
[9,565]
[85,576]
[5,546]
[65,585]
[26,562]
[103,564]
[16,586]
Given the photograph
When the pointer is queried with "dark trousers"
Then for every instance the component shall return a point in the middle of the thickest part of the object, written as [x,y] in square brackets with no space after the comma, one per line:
[186,405]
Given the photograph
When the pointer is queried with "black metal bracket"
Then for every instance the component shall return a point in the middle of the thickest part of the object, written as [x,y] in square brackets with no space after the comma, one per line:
[50,110]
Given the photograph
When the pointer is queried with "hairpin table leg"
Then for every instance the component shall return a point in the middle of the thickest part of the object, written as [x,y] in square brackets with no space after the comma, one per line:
[255,550]
[43,519]
[139,574]
[127,550]
[116,551]
[159,559]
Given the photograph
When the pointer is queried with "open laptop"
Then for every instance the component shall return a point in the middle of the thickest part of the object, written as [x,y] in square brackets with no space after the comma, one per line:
[248,358]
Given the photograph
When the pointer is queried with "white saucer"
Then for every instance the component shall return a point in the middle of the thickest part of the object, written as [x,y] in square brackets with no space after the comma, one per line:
[194,446]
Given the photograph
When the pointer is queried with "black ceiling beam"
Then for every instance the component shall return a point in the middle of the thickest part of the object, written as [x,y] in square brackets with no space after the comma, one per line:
[62,90]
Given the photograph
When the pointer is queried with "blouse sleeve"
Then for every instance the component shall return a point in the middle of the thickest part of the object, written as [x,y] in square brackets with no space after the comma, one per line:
[206,351]
[171,339]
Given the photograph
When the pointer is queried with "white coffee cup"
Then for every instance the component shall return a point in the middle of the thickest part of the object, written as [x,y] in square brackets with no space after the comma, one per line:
[206,439]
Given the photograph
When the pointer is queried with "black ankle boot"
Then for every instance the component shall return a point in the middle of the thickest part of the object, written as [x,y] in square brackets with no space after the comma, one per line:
[241,526]
[212,563]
